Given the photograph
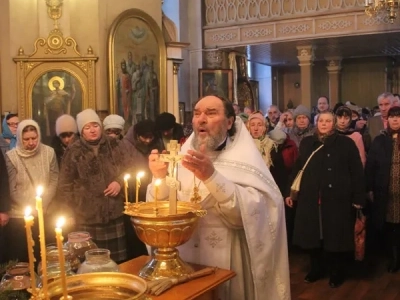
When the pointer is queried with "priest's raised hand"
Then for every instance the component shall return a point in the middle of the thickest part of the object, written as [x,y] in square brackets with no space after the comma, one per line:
[199,163]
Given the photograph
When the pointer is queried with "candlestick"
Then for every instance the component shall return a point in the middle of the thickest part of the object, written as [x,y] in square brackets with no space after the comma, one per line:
[138,176]
[61,258]
[39,208]
[126,177]
[28,226]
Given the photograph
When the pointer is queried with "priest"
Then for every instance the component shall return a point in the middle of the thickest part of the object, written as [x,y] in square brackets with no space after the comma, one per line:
[244,229]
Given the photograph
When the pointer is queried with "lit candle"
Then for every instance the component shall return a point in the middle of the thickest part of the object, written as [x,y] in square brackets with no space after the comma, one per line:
[126,177]
[138,176]
[61,258]
[39,208]
[156,187]
[28,226]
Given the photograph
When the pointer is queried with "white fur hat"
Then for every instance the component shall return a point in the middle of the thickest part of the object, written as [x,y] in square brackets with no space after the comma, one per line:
[114,121]
[66,123]
[87,116]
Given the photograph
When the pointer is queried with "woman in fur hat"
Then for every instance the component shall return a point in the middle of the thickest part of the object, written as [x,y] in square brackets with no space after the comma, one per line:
[29,165]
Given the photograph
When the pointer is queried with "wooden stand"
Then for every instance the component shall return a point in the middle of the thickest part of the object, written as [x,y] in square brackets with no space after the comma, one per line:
[204,288]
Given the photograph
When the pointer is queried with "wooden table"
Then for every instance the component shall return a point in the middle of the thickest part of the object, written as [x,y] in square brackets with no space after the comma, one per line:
[203,288]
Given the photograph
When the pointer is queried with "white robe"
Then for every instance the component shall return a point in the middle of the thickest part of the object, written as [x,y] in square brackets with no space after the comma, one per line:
[244,229]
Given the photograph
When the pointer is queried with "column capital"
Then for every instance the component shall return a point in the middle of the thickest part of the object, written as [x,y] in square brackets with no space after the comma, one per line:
[305,55]
[176,67]
[334,64]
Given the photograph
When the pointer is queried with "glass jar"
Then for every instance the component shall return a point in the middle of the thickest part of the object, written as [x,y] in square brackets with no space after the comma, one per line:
[78,243]
[53,258]
[98,260]
[17,278]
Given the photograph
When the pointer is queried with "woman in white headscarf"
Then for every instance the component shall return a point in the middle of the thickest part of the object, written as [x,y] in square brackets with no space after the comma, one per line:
[29,165]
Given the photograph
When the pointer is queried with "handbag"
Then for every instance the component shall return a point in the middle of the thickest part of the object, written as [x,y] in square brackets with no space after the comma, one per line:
[359,235]
[295,187]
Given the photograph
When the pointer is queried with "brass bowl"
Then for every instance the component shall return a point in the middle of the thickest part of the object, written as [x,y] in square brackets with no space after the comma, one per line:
[104,285]
[164,232]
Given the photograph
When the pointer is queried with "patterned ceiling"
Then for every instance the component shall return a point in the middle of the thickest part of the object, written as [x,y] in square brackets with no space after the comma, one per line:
[285,53]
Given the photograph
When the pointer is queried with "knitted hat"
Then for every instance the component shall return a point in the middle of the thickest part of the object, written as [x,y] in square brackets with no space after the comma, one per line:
[114,122]
[301,110]
[256,115]
[278,136]
[145,128]
[66,123]
[87,116]
[165,121]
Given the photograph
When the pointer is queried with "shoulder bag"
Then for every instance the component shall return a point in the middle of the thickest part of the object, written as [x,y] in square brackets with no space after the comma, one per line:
[295,188]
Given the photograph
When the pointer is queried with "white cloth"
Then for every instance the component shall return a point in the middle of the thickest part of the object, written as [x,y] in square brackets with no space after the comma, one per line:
[244,229]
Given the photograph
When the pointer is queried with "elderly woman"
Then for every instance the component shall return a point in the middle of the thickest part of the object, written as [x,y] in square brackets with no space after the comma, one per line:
[91,178]
[286,121]
[114,126]
[8,138]
[66,134]
[302,125]
[332,183]
[29,165]
[383,184]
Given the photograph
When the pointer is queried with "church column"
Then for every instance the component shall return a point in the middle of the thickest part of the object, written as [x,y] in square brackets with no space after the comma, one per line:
[174,61]
[176,66]
[334,67]
[306,59]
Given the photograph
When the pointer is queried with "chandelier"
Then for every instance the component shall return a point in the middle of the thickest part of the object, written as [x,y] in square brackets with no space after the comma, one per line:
[385,8]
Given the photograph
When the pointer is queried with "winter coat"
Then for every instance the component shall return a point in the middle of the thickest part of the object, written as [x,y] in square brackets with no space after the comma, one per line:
[377,174]
[84,176]
[5,200]
[335,178]
[296,135]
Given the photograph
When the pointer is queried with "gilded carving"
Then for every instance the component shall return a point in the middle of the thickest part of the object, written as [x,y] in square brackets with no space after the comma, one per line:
[54,10]
[176,68]
[83,65]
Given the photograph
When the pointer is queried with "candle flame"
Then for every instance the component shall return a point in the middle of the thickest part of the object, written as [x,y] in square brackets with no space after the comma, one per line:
[60,222]
[140,175]
[127,176]
[39,191]
[157,182]
[28,211]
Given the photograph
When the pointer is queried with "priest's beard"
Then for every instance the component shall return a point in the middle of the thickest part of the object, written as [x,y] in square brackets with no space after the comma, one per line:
[211,142]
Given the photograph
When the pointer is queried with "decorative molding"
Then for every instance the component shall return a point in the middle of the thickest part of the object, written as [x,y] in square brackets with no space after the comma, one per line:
[335,24]
[257,32]
[230,12]
[354,23]
[296,28]
[221,37]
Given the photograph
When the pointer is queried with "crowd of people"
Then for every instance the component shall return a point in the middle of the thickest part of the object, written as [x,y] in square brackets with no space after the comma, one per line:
[357,168]
[241,164]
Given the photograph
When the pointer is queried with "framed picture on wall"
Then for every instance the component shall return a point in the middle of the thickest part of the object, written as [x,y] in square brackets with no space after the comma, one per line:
[216,82]
[136,67]
[255,86]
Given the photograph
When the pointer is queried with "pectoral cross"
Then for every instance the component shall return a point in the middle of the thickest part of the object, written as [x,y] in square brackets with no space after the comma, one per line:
[172,158]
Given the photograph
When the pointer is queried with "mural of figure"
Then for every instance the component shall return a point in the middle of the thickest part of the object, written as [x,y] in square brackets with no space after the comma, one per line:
[56,104]
[153,93]
[124,91]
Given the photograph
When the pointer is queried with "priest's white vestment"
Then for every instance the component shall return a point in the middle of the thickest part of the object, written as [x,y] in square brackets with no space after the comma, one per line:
[244,229]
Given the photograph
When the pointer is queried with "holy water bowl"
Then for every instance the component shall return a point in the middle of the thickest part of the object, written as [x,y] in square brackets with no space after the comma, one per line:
[163,232]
